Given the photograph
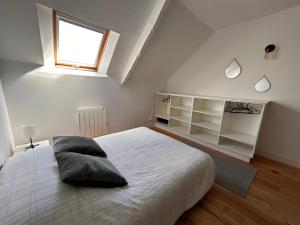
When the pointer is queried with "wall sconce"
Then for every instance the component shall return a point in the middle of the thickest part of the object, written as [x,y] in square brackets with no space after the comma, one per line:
[269,49]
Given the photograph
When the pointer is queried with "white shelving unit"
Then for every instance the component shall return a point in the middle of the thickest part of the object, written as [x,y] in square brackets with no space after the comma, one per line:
[205,119]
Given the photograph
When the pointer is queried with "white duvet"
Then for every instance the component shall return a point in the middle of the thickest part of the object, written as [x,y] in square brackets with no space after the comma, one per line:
[165,177]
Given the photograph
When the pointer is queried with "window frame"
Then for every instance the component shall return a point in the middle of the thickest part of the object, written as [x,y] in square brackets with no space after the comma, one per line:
[70,19]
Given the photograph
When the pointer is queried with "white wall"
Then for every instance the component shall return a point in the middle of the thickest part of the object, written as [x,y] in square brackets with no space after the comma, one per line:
[6,141]
[203,74]
[52,103]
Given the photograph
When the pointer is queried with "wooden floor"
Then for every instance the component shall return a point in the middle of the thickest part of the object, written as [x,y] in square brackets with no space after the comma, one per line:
[274,198]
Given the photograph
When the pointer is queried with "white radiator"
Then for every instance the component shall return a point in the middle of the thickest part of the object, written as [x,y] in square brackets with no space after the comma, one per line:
[92,121]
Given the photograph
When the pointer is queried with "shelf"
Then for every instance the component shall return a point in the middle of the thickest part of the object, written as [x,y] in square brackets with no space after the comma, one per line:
[239,148]
[184,119]
[239,136]
[165,117]
[206,137]
[209,112]
[164,94]
[208,106]
[161,125]
[208,125]
[183,107]
[181,129]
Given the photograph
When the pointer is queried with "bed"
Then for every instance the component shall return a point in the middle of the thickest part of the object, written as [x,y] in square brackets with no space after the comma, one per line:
[165,177]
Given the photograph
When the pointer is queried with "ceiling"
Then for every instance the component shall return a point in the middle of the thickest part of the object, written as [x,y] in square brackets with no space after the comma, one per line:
[218,14]
[20,38]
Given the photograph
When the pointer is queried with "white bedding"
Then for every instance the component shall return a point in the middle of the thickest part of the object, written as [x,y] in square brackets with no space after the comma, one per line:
[165,177]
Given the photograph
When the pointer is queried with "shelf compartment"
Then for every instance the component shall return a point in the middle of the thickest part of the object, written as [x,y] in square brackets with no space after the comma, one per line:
[181,102]
[179,126]
[257,108]
[162,120]
[206,121]
[181,115]
[204,134]
[161,116]
[162,108]
[239,136]
[244,125]
[209,106]
[207,125]
[241,127]
[237,147]
[161,125]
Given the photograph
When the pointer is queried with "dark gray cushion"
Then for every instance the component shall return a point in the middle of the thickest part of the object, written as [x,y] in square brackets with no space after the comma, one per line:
[86,170]
[78,144]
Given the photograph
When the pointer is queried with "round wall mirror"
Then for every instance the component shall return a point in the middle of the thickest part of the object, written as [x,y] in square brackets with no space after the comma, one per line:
[233,70]
[263,84]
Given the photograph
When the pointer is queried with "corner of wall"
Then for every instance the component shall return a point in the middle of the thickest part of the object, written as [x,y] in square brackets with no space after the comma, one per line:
[279,158]
[6,138]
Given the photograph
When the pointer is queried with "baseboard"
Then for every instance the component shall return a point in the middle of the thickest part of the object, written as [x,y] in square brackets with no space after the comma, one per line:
[279,159]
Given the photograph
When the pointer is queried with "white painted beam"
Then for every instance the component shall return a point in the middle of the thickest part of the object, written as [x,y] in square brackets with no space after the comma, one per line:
[144,37]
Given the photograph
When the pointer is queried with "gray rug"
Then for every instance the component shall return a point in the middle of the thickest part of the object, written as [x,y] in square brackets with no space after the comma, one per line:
[233,174]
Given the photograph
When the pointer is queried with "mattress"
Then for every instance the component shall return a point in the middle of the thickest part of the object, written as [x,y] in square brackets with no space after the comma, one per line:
[165,177]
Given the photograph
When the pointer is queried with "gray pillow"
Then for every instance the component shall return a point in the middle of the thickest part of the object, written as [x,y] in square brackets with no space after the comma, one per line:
[78,144]
[86,170]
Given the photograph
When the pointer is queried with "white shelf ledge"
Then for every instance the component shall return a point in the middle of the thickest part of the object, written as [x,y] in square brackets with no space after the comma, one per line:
[208,125]
[239,148]
[239,136]
[181,129]
[162,125]
[182,107]
[206,137]
[184,119]
[209,112]
[161,116]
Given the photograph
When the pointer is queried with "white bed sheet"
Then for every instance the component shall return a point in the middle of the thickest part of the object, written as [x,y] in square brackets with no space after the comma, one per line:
[165,177]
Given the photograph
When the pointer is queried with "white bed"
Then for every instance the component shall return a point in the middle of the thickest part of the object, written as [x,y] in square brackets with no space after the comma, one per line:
[165,177]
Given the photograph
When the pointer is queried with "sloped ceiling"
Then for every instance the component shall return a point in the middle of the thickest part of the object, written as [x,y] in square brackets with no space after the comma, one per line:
[219,14]
[178,34]
[20,39]
[165,52]
[185,25]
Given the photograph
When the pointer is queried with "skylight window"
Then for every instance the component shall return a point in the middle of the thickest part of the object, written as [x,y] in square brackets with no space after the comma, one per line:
[77,44]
